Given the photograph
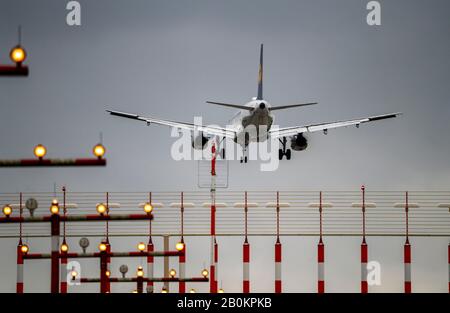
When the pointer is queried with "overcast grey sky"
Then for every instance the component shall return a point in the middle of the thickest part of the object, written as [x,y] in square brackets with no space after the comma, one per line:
[166,58]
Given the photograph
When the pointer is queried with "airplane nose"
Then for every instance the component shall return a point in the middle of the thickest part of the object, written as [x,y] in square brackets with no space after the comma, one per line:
[262,106]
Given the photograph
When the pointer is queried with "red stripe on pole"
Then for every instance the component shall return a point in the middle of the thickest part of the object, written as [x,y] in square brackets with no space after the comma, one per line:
[213,220]
[246,252]
[278,252]
[278,286]
[321,253]
[364,287]
[212,276]
[246,286]
[321,286]
[364,253]
[408,287]
[407,253]
[19,288]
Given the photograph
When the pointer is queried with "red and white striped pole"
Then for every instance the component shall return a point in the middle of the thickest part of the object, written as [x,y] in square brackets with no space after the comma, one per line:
[103,270]
[214,247]
[246,255]
[320,254]
[364,248]
[19,282]
[278,248]
[55,233]
[182,257]
[63,278]
[150,258]
[107,272]
[108,267]
[407,250]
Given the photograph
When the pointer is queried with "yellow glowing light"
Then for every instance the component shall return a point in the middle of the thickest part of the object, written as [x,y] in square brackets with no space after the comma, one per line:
[24,249]
[172,273]
[192,290]
[134,291]
[108,273]
[164,290]
[101,208]
[148,208]
[74,274]
[205,273]
[102,246]
[18,54]
[141,246]
[179,246]
[7,210]
[221,290]
[99,151]
[40,151]
[54,208]
[64,247]
[140,272]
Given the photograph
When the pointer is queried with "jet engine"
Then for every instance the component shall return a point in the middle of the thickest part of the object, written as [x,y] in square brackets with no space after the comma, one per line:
[199,143]
[298,142]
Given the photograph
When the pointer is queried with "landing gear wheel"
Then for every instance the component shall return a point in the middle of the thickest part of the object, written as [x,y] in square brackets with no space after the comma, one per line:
[280,154]
[222,154]
[245,160]
[288,154]
[242,160]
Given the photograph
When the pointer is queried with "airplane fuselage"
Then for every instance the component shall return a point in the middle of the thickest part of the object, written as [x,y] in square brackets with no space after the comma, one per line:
[252,126]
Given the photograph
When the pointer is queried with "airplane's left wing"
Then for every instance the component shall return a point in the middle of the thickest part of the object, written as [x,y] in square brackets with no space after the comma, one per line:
[211,130]
[292,131]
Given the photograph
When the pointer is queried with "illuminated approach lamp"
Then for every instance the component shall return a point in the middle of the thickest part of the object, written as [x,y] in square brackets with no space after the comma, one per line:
[141,246]
[54,208]
[99,151]
[102,247]
[7,210]
[18,54]
[24,248]
[179,246]
[40,151]
[101,208]
[148,208]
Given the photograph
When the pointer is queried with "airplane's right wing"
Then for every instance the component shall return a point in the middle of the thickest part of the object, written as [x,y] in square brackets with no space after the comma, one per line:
[211,130]
[292,131]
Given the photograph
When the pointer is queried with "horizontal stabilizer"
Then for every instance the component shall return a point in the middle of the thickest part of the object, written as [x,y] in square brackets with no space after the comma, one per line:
[236,106]
[282,107]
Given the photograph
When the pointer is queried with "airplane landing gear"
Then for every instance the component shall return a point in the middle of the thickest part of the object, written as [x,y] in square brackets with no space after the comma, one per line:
[283,151]
[244,158]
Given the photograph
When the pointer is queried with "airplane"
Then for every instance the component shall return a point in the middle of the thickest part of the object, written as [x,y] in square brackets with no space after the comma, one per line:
[259,114]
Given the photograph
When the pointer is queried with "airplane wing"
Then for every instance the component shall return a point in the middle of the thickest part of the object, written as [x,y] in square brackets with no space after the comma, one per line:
[211,130]
[291,131]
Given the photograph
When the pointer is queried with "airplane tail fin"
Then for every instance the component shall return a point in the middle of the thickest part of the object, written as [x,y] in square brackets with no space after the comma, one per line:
[260,75]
